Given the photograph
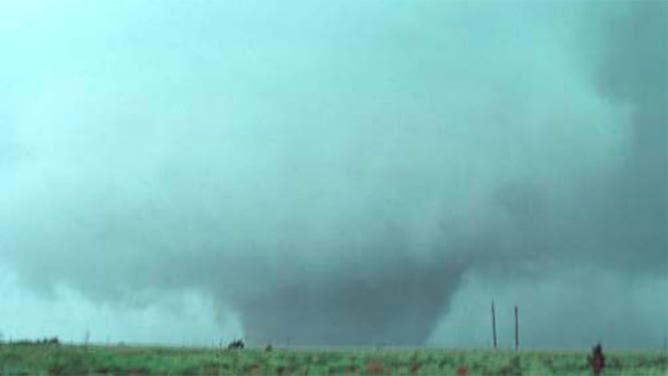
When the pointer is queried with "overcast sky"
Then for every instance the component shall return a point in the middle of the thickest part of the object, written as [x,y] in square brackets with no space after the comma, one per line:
[334,172]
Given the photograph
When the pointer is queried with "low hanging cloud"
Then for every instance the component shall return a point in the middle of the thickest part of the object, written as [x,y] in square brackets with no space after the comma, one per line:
[333,173]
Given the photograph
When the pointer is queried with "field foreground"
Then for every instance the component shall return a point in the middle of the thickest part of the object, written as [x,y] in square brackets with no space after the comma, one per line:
[45,359]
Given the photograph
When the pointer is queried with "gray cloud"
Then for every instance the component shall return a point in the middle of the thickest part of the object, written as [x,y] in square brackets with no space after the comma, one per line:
[331,173]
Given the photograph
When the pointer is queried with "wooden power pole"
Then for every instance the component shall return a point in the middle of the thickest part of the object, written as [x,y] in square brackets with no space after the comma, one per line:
[493,325]
[517,331]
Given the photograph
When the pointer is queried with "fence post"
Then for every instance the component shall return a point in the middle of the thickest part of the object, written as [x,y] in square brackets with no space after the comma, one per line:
[493,325]
[517,330]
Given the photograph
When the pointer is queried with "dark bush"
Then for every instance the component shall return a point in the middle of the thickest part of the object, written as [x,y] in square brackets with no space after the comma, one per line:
[236,344]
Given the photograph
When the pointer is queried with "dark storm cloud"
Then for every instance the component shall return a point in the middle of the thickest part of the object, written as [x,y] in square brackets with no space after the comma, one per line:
[331,173]
[634,72]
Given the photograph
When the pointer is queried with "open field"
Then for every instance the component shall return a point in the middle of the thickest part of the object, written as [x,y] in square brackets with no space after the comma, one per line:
[47,359]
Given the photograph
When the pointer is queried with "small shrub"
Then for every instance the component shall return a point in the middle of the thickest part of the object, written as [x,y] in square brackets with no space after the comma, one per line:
[56,370]
[462,371]
[139,371]
[414,367]
[375,366]
[351,368]
[236,344]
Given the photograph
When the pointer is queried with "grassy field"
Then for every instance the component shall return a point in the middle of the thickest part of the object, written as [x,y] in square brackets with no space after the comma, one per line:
[46,359]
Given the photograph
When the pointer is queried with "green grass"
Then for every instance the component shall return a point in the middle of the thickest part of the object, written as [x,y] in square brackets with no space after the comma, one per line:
[130,360]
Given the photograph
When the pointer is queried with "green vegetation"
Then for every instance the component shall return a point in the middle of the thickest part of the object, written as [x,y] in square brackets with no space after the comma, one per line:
[53,359]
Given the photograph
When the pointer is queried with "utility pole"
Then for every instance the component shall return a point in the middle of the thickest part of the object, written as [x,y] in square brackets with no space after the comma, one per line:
[493,325]
[517,331]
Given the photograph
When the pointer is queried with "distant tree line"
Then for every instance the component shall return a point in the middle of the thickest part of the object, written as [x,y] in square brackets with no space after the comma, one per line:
[44,341]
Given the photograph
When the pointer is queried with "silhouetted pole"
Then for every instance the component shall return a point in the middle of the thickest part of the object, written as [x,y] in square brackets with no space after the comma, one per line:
[517,331]
[493,325]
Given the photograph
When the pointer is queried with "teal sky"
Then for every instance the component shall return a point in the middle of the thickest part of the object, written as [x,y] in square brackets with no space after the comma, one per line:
[275,169]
